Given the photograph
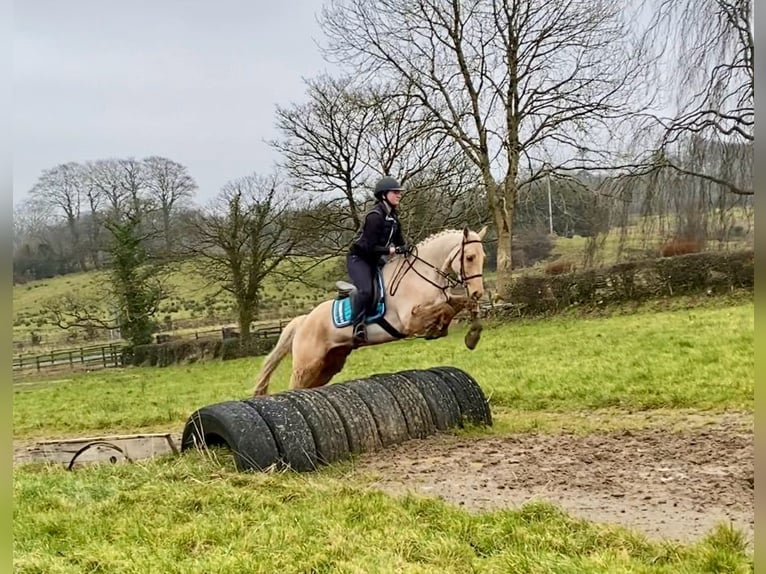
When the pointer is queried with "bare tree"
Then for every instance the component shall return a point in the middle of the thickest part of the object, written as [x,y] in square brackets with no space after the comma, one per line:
[322,141]
[405,141]
[62,189]
[513,82]
[169,183]
[348,135]
[31,219]
[242,237]
[707,51]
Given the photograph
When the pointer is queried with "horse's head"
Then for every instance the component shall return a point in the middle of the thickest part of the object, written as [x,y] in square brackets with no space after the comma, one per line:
[467,261]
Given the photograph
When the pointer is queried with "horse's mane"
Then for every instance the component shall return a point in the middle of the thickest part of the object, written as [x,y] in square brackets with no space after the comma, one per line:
[438,234]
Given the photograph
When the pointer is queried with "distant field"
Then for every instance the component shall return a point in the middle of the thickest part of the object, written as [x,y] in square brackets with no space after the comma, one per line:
[192,304]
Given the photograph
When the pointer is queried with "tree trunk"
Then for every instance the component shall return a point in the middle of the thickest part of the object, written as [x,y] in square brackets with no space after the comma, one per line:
[245,319]
[502,217]
[78,252]
[166,229]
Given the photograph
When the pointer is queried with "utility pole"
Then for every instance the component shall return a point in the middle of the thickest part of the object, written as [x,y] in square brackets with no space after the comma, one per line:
[550,205]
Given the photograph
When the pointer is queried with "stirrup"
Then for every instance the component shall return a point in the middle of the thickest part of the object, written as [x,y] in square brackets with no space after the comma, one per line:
[359,336]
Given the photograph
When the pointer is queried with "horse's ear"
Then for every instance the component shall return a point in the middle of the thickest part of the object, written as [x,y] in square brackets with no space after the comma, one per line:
[483,232]
[465,232]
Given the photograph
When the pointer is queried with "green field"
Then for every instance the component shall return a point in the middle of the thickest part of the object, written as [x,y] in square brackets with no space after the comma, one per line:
[195,513]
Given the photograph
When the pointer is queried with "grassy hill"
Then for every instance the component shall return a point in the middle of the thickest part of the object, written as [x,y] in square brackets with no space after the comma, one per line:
[193,302]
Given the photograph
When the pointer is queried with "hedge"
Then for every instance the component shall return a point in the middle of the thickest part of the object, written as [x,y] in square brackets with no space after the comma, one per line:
[193,350]
[709,272]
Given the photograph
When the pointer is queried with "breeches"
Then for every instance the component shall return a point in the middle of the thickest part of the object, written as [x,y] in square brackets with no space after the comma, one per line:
[362,275]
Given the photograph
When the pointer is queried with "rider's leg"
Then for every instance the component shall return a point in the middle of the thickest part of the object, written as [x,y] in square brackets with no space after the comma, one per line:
[360,273]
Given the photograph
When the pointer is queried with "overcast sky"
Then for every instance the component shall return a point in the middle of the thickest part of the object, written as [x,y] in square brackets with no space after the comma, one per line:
[192,80]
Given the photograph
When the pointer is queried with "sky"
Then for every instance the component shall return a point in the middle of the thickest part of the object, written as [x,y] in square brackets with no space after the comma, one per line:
[196,81]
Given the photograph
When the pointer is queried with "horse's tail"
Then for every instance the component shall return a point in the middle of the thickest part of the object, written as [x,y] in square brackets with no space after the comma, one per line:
[282,348]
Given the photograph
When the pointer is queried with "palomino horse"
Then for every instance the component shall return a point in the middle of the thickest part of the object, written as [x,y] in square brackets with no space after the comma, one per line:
[420,299]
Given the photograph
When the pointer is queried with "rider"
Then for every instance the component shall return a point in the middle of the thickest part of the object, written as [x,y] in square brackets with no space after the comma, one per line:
[379,235]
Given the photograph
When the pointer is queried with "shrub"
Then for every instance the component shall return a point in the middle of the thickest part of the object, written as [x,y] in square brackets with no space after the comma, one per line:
[530,246]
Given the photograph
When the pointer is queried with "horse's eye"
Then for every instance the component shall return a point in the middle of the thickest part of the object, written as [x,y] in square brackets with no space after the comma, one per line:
[469,258]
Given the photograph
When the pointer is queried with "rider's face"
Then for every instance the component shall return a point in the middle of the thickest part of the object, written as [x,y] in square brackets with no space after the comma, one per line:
[394,197]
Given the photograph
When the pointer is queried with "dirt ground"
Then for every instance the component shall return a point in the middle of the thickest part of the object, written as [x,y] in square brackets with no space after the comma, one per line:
[673,484]
[668,484]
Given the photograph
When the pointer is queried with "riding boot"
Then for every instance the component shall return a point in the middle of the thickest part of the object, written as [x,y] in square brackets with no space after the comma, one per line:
[360,334]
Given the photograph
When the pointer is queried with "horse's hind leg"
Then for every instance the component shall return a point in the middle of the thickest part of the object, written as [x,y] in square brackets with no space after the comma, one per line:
[333,363]
[318,371]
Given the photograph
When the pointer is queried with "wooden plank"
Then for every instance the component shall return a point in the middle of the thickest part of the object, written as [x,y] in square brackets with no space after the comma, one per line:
[104,449]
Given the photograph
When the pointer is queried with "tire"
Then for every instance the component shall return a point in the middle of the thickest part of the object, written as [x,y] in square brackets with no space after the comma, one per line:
[361,431]
[414,407]
[292,434]
[473,404]
[325,424]
[441,401]
[388,416]
[236,426]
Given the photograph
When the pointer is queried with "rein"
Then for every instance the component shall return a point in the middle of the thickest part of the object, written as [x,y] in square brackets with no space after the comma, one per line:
[409,264]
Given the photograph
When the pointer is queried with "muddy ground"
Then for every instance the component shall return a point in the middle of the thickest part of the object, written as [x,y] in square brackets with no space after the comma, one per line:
[674,484]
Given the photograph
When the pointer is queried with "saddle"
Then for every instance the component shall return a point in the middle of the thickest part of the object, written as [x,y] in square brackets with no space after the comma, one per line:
[342,304]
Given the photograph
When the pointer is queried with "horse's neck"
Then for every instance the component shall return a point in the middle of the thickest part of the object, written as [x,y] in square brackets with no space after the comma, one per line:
[437,249]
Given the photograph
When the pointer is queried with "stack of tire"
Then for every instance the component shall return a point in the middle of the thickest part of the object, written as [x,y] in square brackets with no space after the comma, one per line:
[302,429]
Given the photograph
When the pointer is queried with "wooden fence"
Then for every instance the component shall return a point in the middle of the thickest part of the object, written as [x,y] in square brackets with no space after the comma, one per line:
[108,355]
[91,357]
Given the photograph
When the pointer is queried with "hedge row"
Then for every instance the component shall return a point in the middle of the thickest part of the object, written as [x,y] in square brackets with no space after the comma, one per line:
[193,350]
[708,272]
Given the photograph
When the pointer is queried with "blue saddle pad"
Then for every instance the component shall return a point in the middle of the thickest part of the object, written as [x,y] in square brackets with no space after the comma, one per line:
[341,308]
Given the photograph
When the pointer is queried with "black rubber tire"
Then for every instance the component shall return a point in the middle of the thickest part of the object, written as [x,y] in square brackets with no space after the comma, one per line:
[236,426]
[420,423]
[292,434]
[361,431]
[325,424]
[478,391]
[474,408]
[441,401]
[389,419]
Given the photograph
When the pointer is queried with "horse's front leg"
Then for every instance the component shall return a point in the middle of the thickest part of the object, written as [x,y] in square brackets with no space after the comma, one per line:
[425,318]
[432,319]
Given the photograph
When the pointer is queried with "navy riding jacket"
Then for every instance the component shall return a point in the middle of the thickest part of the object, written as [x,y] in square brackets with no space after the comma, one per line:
[380,230]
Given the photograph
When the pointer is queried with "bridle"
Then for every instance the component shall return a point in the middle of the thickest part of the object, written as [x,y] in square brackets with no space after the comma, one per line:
[444,271]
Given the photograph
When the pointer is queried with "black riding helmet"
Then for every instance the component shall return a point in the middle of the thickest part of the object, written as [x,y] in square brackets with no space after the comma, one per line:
[385,184]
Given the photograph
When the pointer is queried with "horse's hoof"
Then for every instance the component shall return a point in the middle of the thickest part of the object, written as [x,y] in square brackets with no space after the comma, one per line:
[473,335]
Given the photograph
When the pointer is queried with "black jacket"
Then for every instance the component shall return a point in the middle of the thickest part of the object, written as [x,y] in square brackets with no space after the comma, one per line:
[380,229]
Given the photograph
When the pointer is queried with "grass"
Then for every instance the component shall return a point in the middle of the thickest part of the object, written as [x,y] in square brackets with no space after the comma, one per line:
[195,513]
[198,515]
[700,358]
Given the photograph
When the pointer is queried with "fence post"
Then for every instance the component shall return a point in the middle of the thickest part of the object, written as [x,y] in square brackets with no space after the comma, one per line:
[82,355]
[37,360]
[103,356]
[71,363]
